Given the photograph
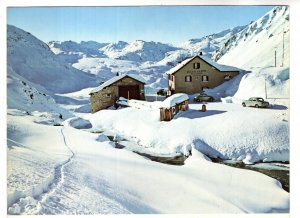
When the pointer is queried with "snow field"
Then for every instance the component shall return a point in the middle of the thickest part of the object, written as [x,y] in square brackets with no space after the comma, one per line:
[31,162]
[225,130]
[101,180]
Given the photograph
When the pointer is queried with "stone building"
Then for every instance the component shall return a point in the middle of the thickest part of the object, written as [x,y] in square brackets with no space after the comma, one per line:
[194,74]
[128,86]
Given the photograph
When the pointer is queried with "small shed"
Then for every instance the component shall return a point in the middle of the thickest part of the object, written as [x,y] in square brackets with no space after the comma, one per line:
[129,86]
[172,105]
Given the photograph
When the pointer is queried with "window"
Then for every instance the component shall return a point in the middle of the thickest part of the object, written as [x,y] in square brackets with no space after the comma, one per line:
[108,95]
[188,78]
[205,78]
[196,65]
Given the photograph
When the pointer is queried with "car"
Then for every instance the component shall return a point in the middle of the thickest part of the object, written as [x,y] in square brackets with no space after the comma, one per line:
[162,92]
[257,102]
[203,97]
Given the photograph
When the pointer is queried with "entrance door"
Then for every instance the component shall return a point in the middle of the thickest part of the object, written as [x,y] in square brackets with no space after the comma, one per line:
[129,92]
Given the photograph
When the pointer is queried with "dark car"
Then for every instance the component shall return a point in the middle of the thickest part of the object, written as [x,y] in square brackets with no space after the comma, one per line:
[162,92]
[203,97]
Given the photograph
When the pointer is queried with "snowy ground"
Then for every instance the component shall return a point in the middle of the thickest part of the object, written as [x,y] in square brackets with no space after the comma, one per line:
[68,171]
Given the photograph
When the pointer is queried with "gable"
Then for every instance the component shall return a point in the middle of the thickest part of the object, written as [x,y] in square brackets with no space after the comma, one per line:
[115,79]
[202,60]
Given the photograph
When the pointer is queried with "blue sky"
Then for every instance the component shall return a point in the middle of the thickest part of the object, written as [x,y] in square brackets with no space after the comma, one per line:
[168,24]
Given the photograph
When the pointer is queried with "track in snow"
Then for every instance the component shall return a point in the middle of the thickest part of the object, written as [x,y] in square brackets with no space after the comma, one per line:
[34,206]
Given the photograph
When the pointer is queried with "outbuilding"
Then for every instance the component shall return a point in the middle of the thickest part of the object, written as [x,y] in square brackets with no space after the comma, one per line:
[129,86]
[197,73]
[172,105]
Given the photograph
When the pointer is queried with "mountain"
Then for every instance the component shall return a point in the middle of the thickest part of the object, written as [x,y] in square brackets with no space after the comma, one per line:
[26,96]
[138,50]
[209,44]
[32,59]
[255,45]
[71,52]
[247,47]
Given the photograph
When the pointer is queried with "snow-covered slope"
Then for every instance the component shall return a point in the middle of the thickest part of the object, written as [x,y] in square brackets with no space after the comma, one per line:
[209,44]
[71,52]
[256,44]
[32,59]
[62,170]
[25,96]
[137,50]
[87,47]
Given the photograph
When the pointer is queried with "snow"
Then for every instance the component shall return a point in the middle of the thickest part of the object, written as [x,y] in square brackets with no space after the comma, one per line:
[99,179]
[78,123]
[33,60]
[255,46]
[174,99]
[180,65]
[265,138]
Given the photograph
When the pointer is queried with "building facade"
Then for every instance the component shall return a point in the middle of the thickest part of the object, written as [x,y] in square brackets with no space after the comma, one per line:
[127,86]
[194,74]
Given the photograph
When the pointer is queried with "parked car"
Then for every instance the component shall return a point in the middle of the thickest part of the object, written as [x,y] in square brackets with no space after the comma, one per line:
[162,92]
[255,102]
[203,97]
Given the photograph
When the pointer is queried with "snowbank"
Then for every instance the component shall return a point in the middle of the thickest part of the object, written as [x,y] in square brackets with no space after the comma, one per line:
[216,132]
[90,182]
[174,99]
[78,123]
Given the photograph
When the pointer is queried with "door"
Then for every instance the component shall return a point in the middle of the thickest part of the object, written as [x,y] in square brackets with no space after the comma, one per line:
[129,92]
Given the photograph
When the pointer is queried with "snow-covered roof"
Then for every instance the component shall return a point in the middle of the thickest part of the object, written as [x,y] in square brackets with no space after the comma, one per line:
[220,67]
[180,65]
[174,99]
[117,78]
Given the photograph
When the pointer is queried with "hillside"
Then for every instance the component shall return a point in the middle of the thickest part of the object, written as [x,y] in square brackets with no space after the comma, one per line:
[32,59]
[256,44]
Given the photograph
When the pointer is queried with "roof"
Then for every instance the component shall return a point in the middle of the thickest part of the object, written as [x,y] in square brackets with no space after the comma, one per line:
[174,99]
[220,67]
[117,78]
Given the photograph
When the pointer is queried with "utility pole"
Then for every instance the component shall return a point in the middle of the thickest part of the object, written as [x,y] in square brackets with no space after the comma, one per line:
[266,89]
[275,57]
[282,47]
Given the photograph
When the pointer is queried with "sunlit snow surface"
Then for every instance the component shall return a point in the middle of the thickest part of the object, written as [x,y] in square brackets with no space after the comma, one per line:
[69,172]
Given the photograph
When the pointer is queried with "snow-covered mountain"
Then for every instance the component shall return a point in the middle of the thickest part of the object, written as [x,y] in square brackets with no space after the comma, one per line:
[211,43]
[247,46]
[71,52]
[255,45]
[32,59]
[252,45]
[137,50]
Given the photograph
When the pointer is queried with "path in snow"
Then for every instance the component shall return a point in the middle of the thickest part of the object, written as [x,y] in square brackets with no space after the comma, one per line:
[27,204]
[70,192]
